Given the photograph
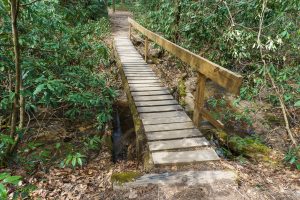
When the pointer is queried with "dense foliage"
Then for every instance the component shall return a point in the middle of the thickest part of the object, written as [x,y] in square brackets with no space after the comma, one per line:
[232,33]
[62,55]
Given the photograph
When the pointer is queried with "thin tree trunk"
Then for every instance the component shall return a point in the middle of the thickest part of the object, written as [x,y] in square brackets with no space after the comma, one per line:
[15,35]
[177,21]
[22,107]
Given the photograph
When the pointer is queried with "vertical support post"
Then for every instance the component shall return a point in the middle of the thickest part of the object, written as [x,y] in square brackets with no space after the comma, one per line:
[199,99]
[146,48]
[114,5]
[130,31]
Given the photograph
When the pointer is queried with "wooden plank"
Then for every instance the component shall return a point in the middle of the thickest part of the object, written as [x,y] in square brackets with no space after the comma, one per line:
[152,98]
[137,59]
[166,120]
[156,103]
[142,78]
[182,157]
[134,85]
[176,134]
[169,127]
[132,61]
[199,99]
[163,114]
[140,74]
[137,70]
[143,81]
[177,144]
[136,64]
[143,89]
[136,67]
[150,93]
[222,76]
[159,108]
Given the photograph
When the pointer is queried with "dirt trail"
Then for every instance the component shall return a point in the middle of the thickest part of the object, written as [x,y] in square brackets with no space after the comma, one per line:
[119,22]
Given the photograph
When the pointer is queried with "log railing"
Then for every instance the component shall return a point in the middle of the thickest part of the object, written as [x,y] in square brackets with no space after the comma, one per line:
[205,68]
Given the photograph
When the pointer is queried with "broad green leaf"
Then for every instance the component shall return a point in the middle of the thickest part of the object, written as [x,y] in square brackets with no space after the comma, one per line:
[74,161]
[79,161]
[38,89]
[12,180]
[4,175]
[3,192]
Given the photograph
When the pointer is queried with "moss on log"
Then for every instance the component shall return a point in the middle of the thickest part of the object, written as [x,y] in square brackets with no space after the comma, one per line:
[248,146]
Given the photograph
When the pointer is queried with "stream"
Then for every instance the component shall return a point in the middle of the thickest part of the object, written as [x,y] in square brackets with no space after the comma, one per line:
[123,136]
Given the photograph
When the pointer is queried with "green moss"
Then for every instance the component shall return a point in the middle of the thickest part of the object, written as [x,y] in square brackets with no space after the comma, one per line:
[124,177]
[182,92]
[249,146]
[273,119]
[148,163]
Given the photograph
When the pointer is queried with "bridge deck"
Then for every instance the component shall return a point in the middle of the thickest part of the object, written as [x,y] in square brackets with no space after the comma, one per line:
[172,137]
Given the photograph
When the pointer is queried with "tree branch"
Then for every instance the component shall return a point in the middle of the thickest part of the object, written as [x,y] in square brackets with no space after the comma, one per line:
[267,72]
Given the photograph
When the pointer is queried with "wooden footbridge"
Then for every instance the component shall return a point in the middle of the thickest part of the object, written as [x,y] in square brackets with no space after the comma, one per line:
[171,136]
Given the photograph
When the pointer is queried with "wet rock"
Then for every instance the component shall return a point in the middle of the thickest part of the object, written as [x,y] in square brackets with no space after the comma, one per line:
[149,61]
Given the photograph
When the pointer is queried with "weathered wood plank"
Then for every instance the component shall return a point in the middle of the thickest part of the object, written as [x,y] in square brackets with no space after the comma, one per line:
[156,103]
[159,108]
[137,70]
[152,98]
[224,77]
[150,93]
[143,89]
[140,75]
[166,120]
[143,81]
[142,78]
[136,67]
[136,85]
[163,114]
[177,144]
[168,127]
[182,157]
[176,134]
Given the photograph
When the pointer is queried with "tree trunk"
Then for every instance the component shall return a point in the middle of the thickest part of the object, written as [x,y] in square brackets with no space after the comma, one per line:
[177,21]
[15,37]
[22,107]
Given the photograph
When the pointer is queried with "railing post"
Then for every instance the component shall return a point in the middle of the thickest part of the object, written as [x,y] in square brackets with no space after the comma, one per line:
[199,99]
[146,48]
[114,5]
[130,31]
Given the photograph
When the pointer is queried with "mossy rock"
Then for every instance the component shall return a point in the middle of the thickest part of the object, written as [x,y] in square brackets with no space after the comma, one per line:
[124,177]
[248,146]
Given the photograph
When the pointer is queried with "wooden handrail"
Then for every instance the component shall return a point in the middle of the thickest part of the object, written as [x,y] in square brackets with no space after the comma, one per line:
[222,76]
[207,69]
